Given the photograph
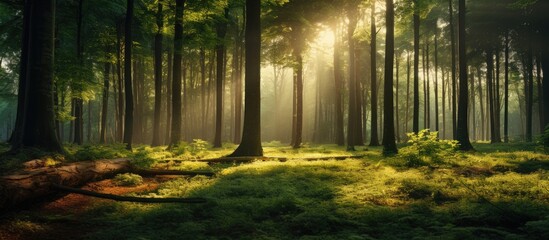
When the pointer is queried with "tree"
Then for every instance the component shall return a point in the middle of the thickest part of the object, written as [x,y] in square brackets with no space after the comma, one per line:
[158,75]
[176,82]
[38,126]
[462,132]
[374,139]
[251,136]
[415,126]
[220,50]
[389,145]
[128,117]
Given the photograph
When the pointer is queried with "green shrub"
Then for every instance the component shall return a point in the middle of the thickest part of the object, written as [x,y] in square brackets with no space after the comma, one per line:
[94,152]
[198,146]
[425,148]
[128,179]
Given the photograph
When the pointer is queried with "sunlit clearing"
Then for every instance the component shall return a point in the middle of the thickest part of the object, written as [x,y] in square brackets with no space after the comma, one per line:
[325,38]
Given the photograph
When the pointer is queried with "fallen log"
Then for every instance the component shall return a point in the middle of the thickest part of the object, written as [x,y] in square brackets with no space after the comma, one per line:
[281,159]
[24,187]
[126,198]
[154,172]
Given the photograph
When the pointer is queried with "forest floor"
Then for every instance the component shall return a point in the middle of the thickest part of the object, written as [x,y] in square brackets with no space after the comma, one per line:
[498,192]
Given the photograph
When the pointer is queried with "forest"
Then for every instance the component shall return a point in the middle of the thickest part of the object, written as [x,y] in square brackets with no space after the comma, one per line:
[274,119]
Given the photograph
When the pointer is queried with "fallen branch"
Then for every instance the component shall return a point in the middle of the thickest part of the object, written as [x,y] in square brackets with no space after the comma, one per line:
[126,198]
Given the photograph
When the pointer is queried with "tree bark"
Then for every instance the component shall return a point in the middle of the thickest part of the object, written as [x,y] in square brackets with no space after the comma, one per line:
[351,120]
[506,92]
[251,137]
[374,137]
[462,135]
[176,82]
[38,127]
[105,103]
[454,87]
[158,75]
[338,75]
[220,53]
[128,118]
[389,145]
[416,67]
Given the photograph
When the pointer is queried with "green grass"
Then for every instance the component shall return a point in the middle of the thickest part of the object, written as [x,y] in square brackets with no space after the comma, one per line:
[497,192]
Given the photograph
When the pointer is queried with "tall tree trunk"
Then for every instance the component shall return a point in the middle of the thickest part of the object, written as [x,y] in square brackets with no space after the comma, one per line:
[128,119]
[497,105]
[436,82]
[428,87]
[120,130]
[169,103]
[490,89]
[176,82]
[78,102]
[506,92]
[454,86]
[220,53]
[545,83]
[408,70]
[416,67]
[251,137]
[389,145]
[158,75]
[203,90]
[374,138]
[396,100]
[482,112]
[105,103]
[473,105]
[237,68]
[359,137]
[462,135]
[298,138]
[23,68]
[540,93]
[529,93]
[338,75]
[351,126]
[38,127]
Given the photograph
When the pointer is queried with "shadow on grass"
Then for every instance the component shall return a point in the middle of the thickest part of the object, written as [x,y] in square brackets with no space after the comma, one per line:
[305,202]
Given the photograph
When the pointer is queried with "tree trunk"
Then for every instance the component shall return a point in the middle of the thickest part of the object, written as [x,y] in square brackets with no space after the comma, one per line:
[38,127]
[374,137]
[454,87]
[120,120]
[105,104]
[490,89]
[169,103]
[436,83]
[389,145]
[176,82]
[157,75]
[251,137]
[416,67]
[338,75]
[220,53]
[545,83]
[462,135]
[351,126]
[128,119]
[529,93]
[78,102]
[299,100]
[506,92]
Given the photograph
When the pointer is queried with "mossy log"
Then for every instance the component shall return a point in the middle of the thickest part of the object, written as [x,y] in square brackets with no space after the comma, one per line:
[27,186]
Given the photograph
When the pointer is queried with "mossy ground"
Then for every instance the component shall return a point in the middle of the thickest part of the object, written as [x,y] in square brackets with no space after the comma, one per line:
[499,192]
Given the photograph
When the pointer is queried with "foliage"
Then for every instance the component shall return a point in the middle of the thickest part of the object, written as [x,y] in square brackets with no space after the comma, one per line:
[128,179]
[94,152]
[425,148]
[544,139]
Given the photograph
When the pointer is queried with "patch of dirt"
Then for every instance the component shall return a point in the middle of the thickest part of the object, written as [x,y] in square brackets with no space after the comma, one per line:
[474,172]
[59,219]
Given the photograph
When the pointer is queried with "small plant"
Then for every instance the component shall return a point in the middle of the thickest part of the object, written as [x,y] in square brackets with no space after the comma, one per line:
[198,146]
[425,148]
[128,179]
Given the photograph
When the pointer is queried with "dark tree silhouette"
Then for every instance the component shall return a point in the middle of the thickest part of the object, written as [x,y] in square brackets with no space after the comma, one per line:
[176,82]
[128,117]
[220,63]
[157,75]
[462,132]
[251,136]
[389,145]
[415,126]
[374,138]
[38,118]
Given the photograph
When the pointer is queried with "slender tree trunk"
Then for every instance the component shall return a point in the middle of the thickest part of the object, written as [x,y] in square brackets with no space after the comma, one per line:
[408,71]
[351,127]
[38,127]
[545,83]
[359,138]
[158,75]
[506,92]
[497,105]
[454,86]
[220,53]
[169,103]
[396,101]
[299,100]
[128,119]
[416,67]
[251,137]
[436,83]
[443,103]
[540,93]
[529,94]
[176,82]
[473,103]
[462,135]
[374,138]
[120,130]
[105,104]
[490,89]
[389,146]
[78,102]
[338,75]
